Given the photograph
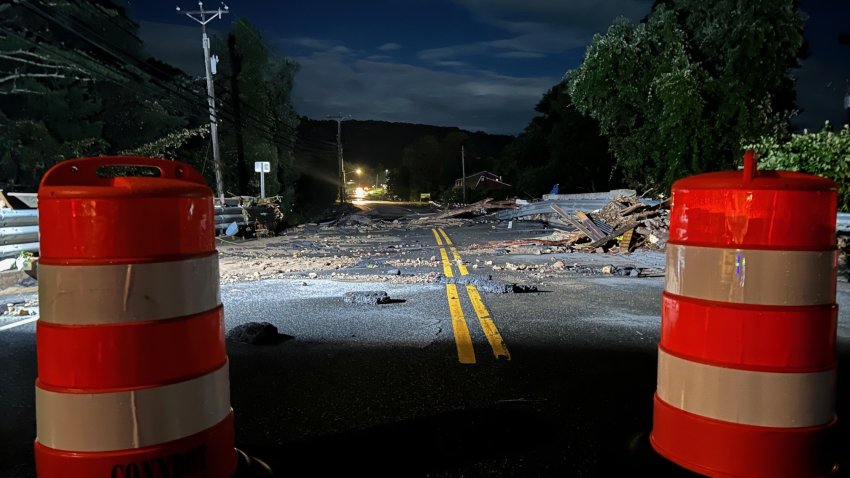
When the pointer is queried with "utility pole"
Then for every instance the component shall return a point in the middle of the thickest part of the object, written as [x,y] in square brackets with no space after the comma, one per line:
[339,119]
[463,171]
[203,17]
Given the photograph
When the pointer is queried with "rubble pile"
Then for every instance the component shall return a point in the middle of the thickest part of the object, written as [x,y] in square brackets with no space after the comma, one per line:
[20,308]
[633,224]
[624,224]
[265,217]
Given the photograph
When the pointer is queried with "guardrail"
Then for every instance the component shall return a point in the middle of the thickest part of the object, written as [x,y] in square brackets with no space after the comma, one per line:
[18,231]
[19,227]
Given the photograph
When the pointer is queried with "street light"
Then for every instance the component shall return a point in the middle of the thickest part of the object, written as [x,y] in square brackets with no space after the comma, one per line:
[351,183]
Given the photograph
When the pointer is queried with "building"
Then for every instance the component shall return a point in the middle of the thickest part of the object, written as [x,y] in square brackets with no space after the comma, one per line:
[482,181]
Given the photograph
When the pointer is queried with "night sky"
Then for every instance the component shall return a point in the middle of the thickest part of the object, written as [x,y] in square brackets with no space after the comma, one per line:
[476,64]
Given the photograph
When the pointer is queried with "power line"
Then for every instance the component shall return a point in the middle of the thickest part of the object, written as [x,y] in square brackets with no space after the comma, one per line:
[142,65]
[175,90]
[124,74]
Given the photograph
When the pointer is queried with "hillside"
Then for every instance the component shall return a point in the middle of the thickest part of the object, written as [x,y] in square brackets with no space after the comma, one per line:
[377,146]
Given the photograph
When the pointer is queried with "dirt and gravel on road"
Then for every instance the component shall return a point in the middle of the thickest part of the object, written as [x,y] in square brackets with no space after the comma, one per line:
[405,251]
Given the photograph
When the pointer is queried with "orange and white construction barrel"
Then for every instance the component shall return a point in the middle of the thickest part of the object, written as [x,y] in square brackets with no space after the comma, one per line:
[746,362]
[132,368]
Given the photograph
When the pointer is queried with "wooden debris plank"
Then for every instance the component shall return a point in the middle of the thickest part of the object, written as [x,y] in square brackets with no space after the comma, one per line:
[595,232]
[497,206]
[457,212]
[573,221]
[506,203]
[614,234]
[533,242]
[626,242]
[644,215]
[633,209]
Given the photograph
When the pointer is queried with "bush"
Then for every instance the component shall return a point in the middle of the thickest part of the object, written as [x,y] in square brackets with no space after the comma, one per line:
[825,153]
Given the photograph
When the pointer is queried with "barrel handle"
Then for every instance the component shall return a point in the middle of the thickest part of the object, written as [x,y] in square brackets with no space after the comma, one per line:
[750,166]
[83,171]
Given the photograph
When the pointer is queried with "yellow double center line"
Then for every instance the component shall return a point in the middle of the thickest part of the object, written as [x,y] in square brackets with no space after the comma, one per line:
[465,351]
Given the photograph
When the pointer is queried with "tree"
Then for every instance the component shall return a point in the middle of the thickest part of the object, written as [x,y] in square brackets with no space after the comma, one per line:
[255,87]
[74,82]
[680,92]
[560,145]
[281,74]
[423,161]
[398,183]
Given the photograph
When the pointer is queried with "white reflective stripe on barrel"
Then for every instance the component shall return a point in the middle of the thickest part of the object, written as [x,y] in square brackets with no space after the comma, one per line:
[768,399]
[748,276]
[95,422]
[110,294]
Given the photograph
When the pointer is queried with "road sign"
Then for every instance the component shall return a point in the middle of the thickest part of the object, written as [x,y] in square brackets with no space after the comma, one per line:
[262,166]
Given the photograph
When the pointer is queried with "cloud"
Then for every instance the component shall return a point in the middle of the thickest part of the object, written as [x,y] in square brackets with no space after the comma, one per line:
[389,47]
[520,54]
[310,43]
[538,28]
[437,54]
[527,40]
[451,63]
[474,100]
[586,16]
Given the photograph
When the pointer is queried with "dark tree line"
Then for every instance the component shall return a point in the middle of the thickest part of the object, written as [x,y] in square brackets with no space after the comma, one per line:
[75,81]
[560,146]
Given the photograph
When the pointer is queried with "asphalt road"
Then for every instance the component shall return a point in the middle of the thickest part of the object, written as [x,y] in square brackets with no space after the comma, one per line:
[384,391]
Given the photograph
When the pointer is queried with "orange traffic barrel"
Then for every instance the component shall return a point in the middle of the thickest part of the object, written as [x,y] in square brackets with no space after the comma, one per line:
[132,368]
[746,361]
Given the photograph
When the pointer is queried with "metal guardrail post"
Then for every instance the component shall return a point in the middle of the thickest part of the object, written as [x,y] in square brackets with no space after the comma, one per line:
[843,222]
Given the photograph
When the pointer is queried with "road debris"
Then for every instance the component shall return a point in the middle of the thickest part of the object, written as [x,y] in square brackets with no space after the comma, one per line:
[487,284]
[257,333]
[19,308]
[621,224]
[479,208]
[366,298]
[557,242]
